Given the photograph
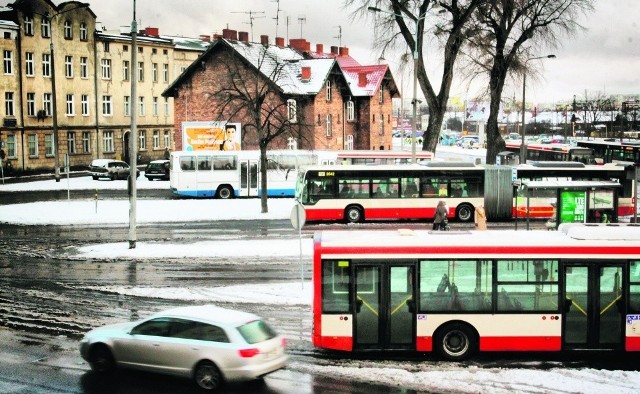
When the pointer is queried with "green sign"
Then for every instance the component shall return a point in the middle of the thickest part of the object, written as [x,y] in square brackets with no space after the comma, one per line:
[573,206]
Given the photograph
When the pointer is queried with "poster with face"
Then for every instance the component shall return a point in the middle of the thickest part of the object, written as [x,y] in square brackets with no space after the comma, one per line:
[213,135]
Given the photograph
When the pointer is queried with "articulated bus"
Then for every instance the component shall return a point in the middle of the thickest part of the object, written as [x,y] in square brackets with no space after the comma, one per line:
[554,152]
[610,150]
[227,174]
[459,292]
[359,193]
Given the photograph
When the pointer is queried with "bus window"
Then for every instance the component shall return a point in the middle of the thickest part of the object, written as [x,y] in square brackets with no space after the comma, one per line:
[634,287]
[463,285]
[188,163]
[386,188]
[409,187]
[204,163]
[335,286]
[225,163]
[527,285]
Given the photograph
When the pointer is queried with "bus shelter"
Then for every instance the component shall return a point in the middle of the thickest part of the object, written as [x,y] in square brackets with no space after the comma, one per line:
[575,201]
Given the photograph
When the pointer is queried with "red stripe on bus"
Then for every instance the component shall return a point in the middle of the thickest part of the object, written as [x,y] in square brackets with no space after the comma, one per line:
[334,343]
[493,250]
[632,344]
[534,344]
[424,344]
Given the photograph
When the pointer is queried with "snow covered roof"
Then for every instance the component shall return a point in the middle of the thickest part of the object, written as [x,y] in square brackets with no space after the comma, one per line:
[364,80]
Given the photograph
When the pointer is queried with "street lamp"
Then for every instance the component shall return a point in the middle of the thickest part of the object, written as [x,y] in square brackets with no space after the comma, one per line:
[414,101]
[523,145]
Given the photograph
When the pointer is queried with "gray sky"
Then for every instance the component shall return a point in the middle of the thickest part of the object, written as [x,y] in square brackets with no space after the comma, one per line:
[604,58]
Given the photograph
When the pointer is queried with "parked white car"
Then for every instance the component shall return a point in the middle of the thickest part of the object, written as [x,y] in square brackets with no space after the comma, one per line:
[109,168]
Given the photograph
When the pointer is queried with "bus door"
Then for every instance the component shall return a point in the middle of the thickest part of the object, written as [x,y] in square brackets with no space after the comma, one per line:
[248,178]
[593,306]
[384,307]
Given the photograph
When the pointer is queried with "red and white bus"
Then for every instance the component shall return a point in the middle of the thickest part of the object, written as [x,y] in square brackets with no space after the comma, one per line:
[359,193]
[554,152]
[459,292]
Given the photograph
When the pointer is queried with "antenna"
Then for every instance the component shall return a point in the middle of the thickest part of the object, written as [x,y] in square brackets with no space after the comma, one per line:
[339,36]
[277,18]
[301,20]
[251,18]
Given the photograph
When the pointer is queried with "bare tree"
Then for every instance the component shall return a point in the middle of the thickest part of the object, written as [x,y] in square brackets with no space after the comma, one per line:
[253,90]
[509,29]
[409,17]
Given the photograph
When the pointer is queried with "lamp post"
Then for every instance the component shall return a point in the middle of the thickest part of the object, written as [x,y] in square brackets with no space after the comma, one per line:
[523,145]
[133,137]
[414,101]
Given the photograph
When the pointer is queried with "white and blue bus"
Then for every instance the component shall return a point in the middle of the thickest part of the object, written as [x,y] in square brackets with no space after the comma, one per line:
[225,174]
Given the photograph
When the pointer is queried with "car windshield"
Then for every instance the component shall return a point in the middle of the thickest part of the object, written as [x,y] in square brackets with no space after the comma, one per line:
[256,331]
[155,165]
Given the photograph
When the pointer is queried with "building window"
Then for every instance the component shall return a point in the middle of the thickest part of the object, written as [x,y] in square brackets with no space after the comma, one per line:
[381,125]
[28,26]
[48,145]
[71,142]
[167,140]
[165,73]
[351,111]
[106,68]
[125,70]
[107,141]
[155,106]
[84,36]
[141,105]
[86,142]
[68,30]
[8,104]
[11,145]
[329,125]
[166,106]
[125,48]
[70,105]
[105,46]
[156,139]
[45,27]
[140,71]
[32,140]
[292,109]
[106,105]
[29,64]
[142,140]
[381,95]
[46,103]
[154,50]
[31,104]
[46,65]
[8,62]
[68,66]
[140,50]
[127,106]
[84,67]
[154,72]
[84,103]
[328,90]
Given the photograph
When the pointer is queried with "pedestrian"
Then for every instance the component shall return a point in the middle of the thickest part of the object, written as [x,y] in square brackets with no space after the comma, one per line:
[166,153]
[480,218]
[440,221]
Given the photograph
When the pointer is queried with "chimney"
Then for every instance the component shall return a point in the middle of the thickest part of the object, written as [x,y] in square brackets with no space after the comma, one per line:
[344,51]
[229,34]
[362,79]
[243,36]
[305,73]
[152,31]
[205,37]
[334,49]
[264,40]
[300,44]
[319,48]
[280,42]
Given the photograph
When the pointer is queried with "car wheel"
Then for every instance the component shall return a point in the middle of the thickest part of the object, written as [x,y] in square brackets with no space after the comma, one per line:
[113,176]
[455,342]
[353,214]
[207,376]
[101,359]
[464,212]
[225,192]
[95,178]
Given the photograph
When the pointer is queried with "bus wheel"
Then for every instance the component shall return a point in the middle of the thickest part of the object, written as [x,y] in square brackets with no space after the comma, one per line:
[353,214]
[455,342]
[464,212]
[225,192]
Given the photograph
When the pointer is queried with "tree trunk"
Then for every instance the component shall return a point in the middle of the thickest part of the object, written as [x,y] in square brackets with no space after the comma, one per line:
[432,136]
[495,142]
[263,178]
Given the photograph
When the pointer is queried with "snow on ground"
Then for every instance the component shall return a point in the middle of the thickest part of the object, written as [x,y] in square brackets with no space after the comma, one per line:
[446,378]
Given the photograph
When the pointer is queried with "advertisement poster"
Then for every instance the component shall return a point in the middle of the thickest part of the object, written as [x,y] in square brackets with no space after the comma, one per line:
[214,135]
[573,206]
[601,199]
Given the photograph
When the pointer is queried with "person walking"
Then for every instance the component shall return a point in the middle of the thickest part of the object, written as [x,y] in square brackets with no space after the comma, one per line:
[440,221]
[480,218]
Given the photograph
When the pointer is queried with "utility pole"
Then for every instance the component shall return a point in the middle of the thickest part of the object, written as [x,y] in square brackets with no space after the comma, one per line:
[133,136]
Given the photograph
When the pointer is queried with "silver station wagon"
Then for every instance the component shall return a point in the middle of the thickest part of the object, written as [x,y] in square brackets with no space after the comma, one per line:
[206,343]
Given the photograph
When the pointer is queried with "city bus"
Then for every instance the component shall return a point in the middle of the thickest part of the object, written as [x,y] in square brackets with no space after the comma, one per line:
[610,150]
[360,193]
[459,292]
[227,174]
[554,152]
[376,157]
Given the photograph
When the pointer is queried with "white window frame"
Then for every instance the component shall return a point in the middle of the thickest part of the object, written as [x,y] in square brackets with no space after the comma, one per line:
[46,65]
[45,27]
[11,145]
[329,125]
[127,105]
[154,106]
[381,94]
[166,106]
[71,105]
[381,125]
[84,104]
[68,66]
[141,107]
[8,62]
[107,107]
[125,70]
[142,140]
[140,71]
[156,139]
[71,142]
[106,68]
[84,67]
[68,30]
[29,64]
[292,111]
[107,141]
[46,103]
[351,111]
[48,145]
[28,26]
[86,142]
[165,73]
[31,104]
[328,90]
[154,72]
[84,33]
[9,104]
[32,143]
[167,139]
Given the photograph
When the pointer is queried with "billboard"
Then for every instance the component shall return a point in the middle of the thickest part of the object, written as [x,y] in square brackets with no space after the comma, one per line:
[213,135]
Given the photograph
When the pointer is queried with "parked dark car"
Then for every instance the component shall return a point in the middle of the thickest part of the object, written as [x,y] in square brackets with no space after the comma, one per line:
[109,168]
[157,169]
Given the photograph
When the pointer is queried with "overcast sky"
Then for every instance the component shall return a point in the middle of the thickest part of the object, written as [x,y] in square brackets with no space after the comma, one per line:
[604,58]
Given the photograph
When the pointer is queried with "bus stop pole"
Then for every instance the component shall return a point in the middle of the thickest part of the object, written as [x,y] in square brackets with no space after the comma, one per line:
[635,193]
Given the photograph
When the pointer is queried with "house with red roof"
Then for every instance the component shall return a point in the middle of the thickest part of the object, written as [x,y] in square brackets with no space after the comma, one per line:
[331,101]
